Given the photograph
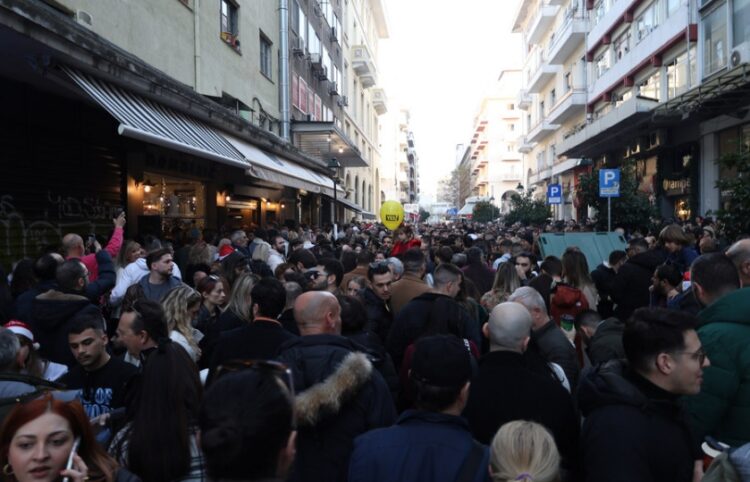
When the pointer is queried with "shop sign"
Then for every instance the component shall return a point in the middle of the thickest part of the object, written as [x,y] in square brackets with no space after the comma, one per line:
[184,167]
[676,187]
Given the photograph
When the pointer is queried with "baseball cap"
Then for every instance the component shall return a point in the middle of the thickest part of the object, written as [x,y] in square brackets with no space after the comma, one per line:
[441,361]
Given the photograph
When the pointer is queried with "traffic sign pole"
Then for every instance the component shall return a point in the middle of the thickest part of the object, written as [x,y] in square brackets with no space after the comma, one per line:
[609,214]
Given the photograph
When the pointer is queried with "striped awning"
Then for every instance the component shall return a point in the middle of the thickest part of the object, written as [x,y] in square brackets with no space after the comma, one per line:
[149,121]
[271,168]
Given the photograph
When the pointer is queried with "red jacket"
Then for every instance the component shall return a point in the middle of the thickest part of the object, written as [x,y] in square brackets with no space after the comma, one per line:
[400,248]
[112,247]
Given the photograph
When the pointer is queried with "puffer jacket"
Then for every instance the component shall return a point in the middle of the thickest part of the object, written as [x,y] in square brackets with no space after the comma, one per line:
[634,430]
[339,396]
[722,408]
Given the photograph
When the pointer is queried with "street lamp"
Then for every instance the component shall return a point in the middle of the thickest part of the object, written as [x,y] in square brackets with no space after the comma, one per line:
[519,188]
[334,166]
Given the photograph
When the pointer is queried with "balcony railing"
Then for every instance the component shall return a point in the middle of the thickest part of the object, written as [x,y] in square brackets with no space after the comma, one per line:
[363,65]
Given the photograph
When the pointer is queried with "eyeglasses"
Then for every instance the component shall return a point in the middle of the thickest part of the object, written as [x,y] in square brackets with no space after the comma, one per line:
[279,370]
[699,355]
[378,264]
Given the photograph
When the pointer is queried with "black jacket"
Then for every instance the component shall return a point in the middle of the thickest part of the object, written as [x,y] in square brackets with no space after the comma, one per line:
[506,389]
[555,347]
[52,313]
[22,306]
[631,283]
[428,313]
[543,284]
[606,344]
[257,340]
[633,430]
[379,316]
[339,396]
[604,277]
[207,323]
[377,353]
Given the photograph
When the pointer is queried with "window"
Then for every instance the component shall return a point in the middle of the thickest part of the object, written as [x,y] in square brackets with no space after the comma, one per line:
[600,8]
[511,127]
[568,81]
[295,91]
[266,55]
[302,95]
[740,22]
[302,27]
[715,40]
[601,63]
[294,12]
[672,6]
[651,87]
[621,45]
[511,107]
[552,97]
[678,71]
[541,110]
[647,22]
[229,16]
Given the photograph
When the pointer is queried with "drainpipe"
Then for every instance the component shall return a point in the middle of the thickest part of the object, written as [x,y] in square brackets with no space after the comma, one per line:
[284,66]
[197,44]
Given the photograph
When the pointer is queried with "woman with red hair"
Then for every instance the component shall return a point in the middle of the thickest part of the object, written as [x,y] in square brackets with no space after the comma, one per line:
[36,440]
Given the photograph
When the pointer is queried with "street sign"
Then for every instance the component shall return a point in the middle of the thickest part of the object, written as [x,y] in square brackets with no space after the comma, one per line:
[554,194]
[609,183]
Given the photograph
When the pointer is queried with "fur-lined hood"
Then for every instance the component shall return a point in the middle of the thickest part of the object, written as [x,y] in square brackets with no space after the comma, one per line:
[328,396]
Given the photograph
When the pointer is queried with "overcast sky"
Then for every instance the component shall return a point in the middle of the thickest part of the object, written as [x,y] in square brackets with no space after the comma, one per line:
[440,60]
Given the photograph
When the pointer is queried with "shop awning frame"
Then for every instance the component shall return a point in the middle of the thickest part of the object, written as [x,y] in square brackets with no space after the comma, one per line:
[148,121]
[271,168]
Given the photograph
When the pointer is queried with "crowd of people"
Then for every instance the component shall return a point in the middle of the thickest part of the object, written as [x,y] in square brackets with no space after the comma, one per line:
[451,352]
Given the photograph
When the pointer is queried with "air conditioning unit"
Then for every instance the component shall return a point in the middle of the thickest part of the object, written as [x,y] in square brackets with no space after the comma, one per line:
[343,101]
[323,73]
[333,88]
[740,54]
[84,18]
[298,47]
[333,34]
[316,61]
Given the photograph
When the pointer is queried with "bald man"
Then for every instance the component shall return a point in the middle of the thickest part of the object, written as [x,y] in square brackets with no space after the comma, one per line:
[739,253]
[507,389]
[339,393]
[73,247]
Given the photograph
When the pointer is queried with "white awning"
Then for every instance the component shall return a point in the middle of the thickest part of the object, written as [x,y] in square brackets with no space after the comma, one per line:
[274,169]
[149,121]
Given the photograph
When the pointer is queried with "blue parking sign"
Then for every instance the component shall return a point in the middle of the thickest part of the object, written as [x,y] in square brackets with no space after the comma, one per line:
[554,194]
[609,183]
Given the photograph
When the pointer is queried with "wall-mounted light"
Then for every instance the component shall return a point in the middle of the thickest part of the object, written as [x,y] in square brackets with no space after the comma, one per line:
[228,198]
[148,185]
[268,204]
[341,150]
[283,205]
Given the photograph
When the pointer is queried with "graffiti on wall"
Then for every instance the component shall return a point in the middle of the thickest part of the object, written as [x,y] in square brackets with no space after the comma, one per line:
[23,235]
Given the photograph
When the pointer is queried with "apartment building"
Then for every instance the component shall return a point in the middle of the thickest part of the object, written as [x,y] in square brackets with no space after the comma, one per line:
[400,162]
[665,89]
[496,166]
[181,111]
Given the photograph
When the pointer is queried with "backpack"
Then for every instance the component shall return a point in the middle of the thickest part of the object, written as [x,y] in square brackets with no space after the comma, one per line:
[565,304]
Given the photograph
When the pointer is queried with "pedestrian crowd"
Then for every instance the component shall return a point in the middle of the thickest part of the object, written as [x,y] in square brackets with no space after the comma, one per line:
[449,352]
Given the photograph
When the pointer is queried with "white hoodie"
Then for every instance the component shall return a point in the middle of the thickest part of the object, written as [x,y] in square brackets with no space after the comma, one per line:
[130,276]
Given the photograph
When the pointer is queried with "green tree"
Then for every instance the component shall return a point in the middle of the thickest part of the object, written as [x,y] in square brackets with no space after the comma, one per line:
[734,215]
[484,212]
[631,210]
[423,215]
[527,210]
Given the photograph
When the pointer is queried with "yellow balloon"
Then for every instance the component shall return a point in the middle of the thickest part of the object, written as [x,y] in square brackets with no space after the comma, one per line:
[392,214]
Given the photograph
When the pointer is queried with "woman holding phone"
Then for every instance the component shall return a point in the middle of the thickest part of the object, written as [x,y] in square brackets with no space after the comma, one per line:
[37,444]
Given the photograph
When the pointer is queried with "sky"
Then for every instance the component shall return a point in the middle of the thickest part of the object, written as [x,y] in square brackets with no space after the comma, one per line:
[440,60]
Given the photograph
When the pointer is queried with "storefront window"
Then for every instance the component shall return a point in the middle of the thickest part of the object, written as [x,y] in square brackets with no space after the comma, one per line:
[715,40]
[181,203]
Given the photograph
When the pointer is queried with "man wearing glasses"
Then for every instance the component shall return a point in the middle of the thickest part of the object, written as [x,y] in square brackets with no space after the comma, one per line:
[635,428]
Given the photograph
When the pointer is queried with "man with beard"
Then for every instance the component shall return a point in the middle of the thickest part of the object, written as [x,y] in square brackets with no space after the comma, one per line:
[99,378]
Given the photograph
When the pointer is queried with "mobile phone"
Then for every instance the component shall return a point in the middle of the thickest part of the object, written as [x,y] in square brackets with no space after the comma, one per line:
[73,451]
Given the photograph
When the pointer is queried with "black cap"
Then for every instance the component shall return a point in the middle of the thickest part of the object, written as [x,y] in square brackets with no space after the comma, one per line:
[441,361]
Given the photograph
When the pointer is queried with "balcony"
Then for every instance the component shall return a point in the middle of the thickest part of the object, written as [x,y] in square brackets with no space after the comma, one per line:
[543,75]
[364,65]
[511,176]
[525,146]
[574,102]
[540,131]
[567,39]
[640,53]
[594,136]
[379,101]
[611,18]
[541,23]
[524,99]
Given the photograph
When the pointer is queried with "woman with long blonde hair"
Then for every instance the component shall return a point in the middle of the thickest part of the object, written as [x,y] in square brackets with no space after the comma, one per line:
[506,282]
[524,451]
[181,305]
[238,310]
